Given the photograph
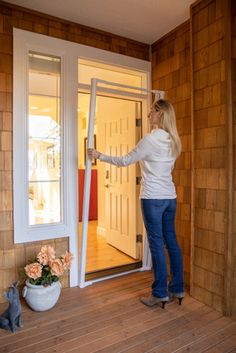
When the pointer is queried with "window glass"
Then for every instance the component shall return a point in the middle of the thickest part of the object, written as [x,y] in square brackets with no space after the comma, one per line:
[44,139]
[88,70]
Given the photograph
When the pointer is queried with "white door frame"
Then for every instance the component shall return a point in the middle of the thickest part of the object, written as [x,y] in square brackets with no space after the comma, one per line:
[72,53]
[146,257]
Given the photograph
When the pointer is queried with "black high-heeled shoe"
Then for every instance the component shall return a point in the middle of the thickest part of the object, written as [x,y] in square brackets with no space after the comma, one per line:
[179,296]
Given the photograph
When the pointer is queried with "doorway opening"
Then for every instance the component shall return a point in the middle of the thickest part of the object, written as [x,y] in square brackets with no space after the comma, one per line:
[115,227]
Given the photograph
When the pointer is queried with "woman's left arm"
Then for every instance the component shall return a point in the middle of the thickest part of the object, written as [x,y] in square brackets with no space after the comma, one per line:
[141,150]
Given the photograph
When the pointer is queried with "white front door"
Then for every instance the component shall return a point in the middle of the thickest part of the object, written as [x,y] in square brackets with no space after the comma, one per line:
[120,183]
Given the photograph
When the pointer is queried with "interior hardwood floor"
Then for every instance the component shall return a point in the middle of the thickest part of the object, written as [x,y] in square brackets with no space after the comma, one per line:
[108,317]
[101,255]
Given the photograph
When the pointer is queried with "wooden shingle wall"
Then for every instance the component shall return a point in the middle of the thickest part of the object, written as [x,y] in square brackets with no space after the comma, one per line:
[171,73]
[14,256]
[233,53]
[197,80]
[211,154]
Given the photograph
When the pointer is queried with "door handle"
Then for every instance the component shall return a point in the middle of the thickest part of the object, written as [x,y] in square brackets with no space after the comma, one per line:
[107,185]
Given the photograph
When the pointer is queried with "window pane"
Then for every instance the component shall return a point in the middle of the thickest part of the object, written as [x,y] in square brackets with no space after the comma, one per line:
[44,139]
[88,69]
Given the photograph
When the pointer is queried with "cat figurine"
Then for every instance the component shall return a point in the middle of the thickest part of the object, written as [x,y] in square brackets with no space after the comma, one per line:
[11,317]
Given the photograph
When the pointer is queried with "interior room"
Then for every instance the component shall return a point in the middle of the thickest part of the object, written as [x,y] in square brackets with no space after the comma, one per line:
[108,250]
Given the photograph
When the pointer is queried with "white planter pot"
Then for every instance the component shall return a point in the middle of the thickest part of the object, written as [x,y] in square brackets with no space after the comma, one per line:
[40,298]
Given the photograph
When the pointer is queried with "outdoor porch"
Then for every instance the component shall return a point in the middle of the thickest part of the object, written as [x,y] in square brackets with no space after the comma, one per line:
[107,317]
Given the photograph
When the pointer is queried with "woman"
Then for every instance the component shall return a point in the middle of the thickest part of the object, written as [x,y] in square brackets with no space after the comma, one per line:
[157,153]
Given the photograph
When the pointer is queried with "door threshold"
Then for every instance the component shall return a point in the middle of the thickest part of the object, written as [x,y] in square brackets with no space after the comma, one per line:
[112,271]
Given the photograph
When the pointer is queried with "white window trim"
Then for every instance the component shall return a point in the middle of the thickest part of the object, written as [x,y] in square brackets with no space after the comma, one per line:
[69,53]
[23,232]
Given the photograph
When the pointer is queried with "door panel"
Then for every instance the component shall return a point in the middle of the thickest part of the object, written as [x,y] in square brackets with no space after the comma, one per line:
[120,185]
[115,130]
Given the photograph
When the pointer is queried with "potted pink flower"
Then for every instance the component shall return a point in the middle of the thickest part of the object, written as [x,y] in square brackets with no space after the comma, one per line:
[43,286]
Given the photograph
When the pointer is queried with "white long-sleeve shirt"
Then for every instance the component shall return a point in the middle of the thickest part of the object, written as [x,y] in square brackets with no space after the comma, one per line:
[154,154]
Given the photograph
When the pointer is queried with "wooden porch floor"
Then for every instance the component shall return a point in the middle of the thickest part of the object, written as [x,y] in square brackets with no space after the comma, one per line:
[107,317]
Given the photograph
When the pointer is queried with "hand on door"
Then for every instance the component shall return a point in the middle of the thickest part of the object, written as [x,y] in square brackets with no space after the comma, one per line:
[92,153]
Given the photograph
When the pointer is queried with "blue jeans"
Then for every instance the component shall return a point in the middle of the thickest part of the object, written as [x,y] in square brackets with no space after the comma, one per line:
[159,218]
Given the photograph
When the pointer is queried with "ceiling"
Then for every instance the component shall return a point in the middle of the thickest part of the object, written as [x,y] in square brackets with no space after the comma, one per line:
[141,20]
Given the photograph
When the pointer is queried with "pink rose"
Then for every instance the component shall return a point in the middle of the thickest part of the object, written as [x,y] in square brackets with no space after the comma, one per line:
[67,260]
[33,270]
[56,267]
[46,255]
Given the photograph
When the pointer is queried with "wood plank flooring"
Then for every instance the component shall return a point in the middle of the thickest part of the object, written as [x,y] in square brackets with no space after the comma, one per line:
[107,317]
[101,255]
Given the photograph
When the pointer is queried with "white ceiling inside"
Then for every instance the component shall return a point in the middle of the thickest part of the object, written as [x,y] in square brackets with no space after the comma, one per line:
[141,20]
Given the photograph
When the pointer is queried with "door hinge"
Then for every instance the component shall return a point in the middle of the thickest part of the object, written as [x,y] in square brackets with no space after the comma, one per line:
[139,238]
[138,180]
[138,122]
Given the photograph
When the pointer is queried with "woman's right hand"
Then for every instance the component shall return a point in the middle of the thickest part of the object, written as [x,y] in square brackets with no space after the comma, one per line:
[92,153]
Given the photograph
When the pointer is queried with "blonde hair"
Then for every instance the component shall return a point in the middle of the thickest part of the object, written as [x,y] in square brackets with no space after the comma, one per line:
[168,123]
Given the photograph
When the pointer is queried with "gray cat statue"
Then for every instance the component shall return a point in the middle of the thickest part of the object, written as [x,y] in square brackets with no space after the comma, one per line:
[11,317]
